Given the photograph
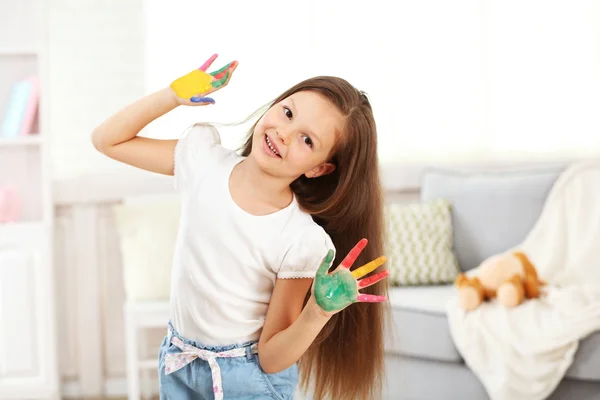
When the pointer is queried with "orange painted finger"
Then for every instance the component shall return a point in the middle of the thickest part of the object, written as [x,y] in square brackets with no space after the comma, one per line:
[371,298]
[363,283]
[369,267]
[223,71]
[354,253]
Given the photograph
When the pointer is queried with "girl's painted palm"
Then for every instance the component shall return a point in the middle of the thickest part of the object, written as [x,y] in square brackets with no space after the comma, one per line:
[336,291]
[197,84]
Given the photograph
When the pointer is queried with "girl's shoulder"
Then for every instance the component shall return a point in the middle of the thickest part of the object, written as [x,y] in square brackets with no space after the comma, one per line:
[305,233]
[201,133]
[196,151]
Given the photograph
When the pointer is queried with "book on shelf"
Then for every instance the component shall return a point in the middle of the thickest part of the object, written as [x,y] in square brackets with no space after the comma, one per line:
[21,110]
[10,204]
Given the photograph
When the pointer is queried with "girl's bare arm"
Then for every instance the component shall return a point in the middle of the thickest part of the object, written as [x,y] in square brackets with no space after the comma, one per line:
[289,330]
[117,136]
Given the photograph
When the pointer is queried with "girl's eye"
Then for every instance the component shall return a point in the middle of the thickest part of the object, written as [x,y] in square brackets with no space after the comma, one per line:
[287,112]
[308,141]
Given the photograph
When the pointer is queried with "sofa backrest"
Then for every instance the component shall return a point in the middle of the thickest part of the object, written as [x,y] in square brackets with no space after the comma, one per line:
[492,211]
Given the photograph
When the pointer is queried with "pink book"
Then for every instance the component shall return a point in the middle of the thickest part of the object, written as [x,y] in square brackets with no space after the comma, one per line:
[10,204]
[31,109]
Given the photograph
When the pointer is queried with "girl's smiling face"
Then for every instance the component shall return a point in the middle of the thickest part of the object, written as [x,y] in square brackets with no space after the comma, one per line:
[296,136]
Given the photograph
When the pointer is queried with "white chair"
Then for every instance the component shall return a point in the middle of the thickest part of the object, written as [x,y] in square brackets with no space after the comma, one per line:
[147,229]
[140,316]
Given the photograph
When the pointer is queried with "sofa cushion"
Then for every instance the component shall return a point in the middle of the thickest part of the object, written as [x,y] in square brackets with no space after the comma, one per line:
[419,325]
[586,363]
[492,211]
[419,248]
[420,329]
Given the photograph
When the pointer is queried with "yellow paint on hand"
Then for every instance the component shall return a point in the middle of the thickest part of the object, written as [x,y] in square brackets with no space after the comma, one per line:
[195,83]
[368,267]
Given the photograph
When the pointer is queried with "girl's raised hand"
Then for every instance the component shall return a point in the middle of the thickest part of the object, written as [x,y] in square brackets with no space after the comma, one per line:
[336,291]
[192,88]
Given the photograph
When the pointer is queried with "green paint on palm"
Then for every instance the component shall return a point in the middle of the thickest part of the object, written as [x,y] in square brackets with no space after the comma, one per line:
[336,291]
[217,72]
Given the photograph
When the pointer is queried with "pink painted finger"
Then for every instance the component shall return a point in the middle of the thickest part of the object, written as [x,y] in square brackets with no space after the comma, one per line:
[363,283]
[371,298]
[354,253]
[208,62]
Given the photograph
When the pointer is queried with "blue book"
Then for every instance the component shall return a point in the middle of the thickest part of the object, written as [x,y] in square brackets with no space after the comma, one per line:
[15,110]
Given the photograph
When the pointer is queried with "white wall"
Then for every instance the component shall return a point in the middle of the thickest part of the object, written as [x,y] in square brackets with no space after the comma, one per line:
[466,79]
[412,58]
[96,58]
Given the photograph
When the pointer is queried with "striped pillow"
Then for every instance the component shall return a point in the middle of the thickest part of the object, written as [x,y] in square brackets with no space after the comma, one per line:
[419,248]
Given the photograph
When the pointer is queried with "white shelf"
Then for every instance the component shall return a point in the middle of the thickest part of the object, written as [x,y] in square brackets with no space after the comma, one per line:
[16,51]
[29,140]
[21,227]
[21,233]
[26,260]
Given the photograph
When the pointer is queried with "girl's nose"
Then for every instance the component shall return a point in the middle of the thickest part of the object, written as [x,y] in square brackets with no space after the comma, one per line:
[285,137]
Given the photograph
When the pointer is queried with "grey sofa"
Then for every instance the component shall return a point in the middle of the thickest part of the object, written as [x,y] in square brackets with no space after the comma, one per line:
[492,211]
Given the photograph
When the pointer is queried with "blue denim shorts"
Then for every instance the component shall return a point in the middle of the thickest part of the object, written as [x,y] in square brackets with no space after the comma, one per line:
[242,377]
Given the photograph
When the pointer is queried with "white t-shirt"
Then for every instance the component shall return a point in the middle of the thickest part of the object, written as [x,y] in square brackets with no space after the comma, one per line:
[226,260]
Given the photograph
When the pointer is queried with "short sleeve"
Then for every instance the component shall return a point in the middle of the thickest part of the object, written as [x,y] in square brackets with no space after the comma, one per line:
[193,154]
[303,258]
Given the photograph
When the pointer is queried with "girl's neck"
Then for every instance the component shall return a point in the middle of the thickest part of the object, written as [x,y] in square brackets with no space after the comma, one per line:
[259,187]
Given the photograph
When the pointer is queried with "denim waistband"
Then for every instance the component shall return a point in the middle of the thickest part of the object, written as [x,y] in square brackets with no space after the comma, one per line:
[216,349]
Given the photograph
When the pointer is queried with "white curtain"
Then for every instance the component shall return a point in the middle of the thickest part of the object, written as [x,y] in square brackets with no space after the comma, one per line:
[448,80]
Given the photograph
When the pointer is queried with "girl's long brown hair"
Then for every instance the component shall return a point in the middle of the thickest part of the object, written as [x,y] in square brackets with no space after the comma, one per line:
[346,361]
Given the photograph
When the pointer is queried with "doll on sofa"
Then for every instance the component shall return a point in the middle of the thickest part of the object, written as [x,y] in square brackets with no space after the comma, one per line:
[509,277]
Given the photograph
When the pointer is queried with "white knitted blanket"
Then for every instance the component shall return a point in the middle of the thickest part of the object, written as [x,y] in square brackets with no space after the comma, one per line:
[523,353]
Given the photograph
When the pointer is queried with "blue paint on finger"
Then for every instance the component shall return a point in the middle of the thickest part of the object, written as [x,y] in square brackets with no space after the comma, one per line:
[196,99]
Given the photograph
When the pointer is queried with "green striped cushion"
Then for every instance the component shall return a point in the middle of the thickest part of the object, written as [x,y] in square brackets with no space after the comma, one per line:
[419,248]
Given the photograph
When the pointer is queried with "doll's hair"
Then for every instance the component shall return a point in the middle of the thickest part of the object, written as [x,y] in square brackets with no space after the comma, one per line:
[346,361]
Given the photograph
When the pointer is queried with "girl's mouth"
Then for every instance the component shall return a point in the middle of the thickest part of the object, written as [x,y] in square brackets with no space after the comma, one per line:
[271,146]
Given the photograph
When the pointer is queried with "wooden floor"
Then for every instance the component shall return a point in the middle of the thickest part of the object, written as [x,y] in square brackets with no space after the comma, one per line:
[110,398]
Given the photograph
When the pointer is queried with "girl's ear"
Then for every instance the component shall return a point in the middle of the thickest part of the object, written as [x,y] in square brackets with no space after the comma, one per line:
[320,170]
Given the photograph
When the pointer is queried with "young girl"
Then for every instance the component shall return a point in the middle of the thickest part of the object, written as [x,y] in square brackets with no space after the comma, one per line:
[251,295]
